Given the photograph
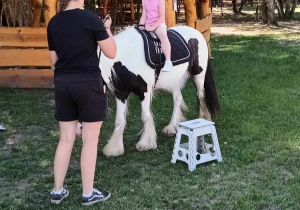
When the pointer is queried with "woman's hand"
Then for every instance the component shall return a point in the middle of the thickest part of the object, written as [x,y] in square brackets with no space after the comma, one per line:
[107,21]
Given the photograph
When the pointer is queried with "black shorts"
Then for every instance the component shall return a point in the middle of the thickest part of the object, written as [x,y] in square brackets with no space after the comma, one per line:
[85,101]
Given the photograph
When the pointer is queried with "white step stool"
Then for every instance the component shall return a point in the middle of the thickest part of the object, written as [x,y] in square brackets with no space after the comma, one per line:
[190,152]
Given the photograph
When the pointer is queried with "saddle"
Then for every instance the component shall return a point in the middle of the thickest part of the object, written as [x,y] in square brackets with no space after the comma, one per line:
[180,50]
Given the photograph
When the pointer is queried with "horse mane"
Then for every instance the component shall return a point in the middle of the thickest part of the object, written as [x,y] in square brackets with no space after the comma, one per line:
[120,30]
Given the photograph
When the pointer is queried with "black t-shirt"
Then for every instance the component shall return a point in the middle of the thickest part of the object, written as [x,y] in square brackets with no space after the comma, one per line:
[73,34]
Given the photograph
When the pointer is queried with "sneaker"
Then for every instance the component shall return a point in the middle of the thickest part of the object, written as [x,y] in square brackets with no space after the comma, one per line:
[57,198]
[168,66]
[96,197]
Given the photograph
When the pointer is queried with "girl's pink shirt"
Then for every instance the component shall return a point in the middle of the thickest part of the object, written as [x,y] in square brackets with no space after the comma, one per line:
[152,10]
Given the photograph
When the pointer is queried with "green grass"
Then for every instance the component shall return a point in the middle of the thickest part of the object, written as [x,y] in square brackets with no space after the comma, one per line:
[258,82]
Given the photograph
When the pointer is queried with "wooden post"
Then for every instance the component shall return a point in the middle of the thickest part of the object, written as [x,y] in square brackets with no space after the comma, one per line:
[132,10]
[49,10]
[190,12]
[170,14]
[37,11]
[205,9]
[114,21]
[105,4]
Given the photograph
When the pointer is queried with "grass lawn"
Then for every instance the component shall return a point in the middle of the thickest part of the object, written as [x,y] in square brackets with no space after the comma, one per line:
[258,82]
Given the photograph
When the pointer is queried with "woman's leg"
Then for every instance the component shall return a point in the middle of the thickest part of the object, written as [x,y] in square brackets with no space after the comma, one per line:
[90,138]
[161,32]
[63,152]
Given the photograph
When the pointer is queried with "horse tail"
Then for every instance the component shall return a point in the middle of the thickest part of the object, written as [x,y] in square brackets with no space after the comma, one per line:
[211,95]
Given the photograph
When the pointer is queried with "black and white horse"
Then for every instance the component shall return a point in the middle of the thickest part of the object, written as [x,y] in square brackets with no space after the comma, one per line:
[129,73]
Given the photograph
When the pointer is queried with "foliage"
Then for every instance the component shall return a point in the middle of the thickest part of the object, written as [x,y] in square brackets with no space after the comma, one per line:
[16,12]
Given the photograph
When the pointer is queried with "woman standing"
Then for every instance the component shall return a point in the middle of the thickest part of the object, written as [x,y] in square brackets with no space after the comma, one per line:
[80,92]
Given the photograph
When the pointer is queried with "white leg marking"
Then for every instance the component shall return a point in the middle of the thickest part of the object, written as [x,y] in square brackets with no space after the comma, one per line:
[115,146]
[148,138]
[177,115]
[203,110]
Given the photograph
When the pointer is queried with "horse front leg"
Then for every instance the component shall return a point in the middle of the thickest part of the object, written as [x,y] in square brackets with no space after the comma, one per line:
[148,138]
[177,115]
[115,146]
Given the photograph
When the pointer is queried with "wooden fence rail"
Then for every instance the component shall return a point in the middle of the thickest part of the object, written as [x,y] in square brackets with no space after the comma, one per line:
[23,52]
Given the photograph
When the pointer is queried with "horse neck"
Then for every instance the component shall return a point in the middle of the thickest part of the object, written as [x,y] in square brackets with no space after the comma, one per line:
[125,42]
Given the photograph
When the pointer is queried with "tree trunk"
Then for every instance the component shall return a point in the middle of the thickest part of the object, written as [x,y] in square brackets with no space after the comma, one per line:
[49,10]
[286,9]
[243,2]
[170,14]
[190,12]
[234,7]
[271,13]
[37,11]
[264,11]
[292,12]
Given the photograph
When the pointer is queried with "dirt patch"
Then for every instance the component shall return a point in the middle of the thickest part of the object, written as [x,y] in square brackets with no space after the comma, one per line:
[12,140]
[15,191]
[243,24]
[52,103]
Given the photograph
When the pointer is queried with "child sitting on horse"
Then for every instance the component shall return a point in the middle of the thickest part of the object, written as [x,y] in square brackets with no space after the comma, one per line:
[153,17]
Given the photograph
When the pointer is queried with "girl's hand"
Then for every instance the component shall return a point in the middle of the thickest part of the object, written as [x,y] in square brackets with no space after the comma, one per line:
[107,21]
[149,28]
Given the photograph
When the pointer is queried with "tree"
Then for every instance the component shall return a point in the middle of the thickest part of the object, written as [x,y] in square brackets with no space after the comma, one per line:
[235,6]
[267,10]
[286,9]
[16,12]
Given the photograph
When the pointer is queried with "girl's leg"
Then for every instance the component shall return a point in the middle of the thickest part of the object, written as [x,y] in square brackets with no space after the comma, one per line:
[161,32]
[90,138]
[63,152]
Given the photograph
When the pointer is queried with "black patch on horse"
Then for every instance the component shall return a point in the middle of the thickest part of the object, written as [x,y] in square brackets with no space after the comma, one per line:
[194,67]
[126,82]
[180,51]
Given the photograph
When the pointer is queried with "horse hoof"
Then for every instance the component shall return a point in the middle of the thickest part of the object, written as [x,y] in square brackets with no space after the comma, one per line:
[169,130]
[142,146]
[110,151]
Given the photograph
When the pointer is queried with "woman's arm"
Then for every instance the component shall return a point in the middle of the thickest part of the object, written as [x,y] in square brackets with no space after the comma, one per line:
[53,59]
[144,16]
[108,46]
[162,13]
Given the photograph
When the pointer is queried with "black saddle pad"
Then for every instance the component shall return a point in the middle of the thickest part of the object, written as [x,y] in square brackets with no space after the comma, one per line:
[180,50]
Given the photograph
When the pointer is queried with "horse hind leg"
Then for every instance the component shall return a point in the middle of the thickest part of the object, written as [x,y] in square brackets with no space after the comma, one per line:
[148,138]
[203,111]
[197,70]
[115,146]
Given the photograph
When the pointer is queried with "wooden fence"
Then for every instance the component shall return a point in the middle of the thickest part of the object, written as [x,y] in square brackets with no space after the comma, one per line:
[24,58]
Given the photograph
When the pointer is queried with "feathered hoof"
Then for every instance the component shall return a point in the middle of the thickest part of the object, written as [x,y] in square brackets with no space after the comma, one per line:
[169,130]
[112,150]
[144,145]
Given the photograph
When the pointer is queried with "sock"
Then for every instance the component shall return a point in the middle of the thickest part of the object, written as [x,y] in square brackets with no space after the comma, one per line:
[88,195]
[168,62]
[58,192]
